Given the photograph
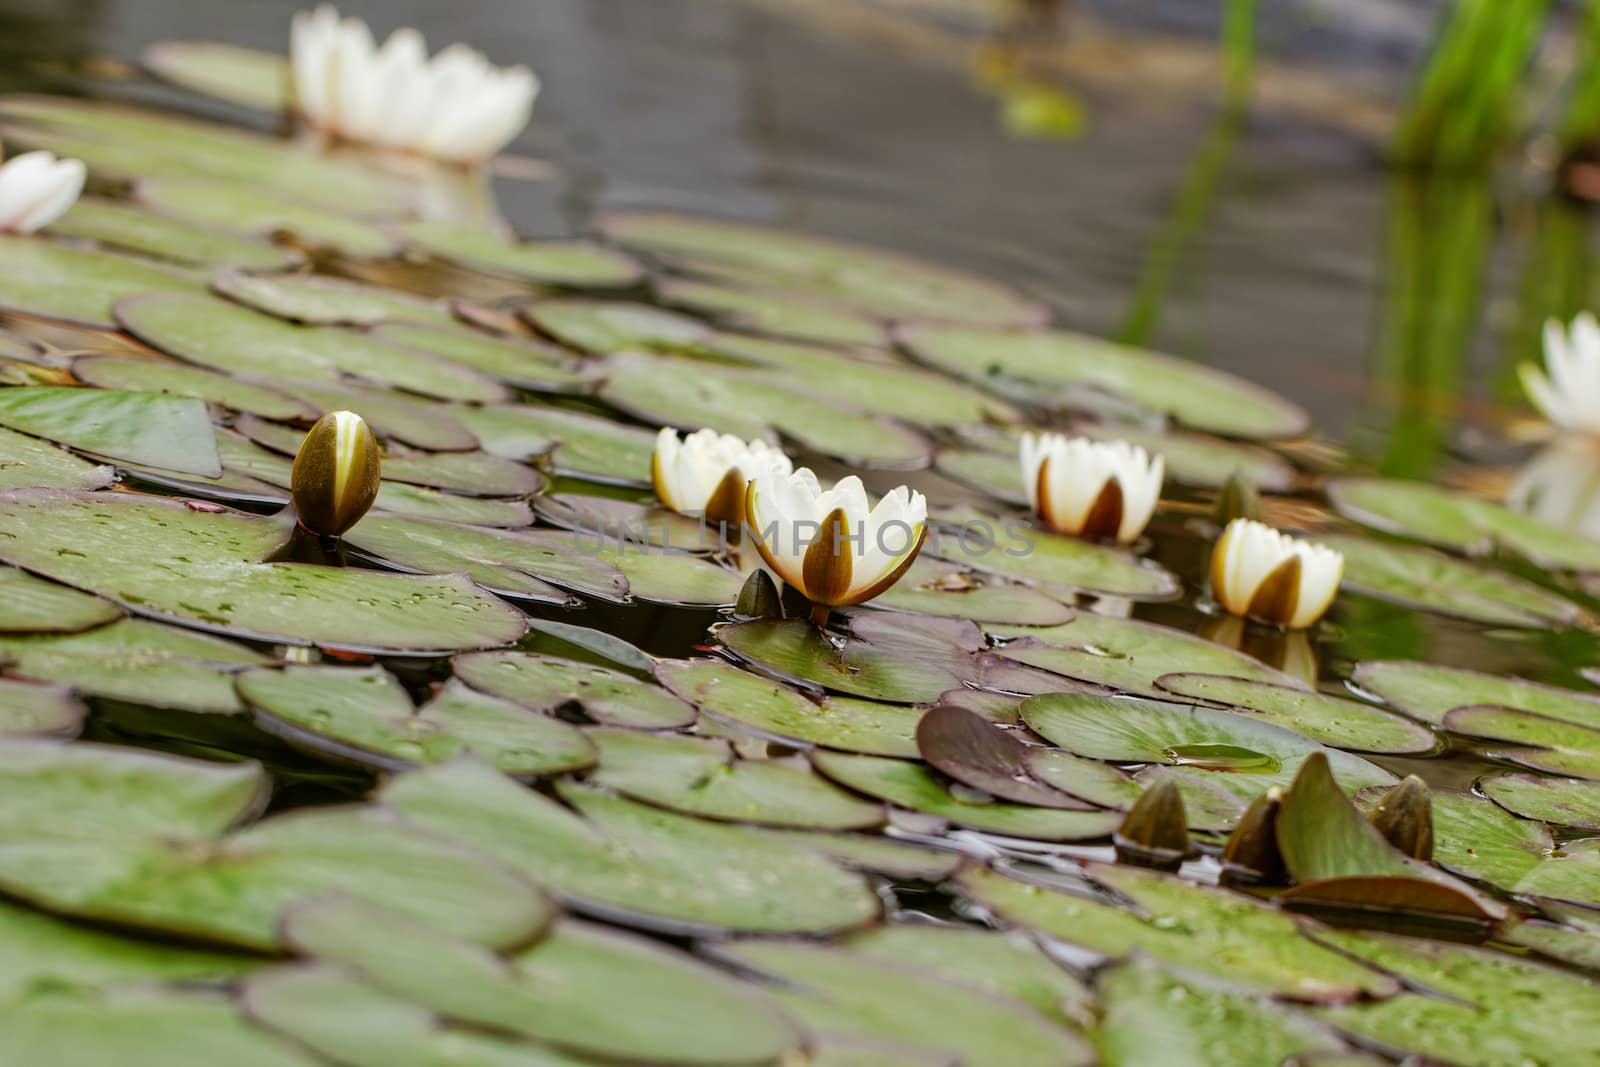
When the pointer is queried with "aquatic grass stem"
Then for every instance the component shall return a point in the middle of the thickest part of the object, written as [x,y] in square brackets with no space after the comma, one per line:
[1579,126]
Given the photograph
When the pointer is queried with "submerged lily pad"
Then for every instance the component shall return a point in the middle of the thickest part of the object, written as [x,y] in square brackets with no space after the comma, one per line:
[581,264]
[1562,801]
[80,285]
[118,224]
[1197,396]
[1329,720]
[364,715]
[549,683]
[636,864]
[146,428]
[726,693]
[32,605]
[160,557]
[703,777]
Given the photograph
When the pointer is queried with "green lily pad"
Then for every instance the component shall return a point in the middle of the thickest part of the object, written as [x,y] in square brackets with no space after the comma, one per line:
[703,777]
[1239,753]
[418,503]
[1561,801]
[1550,744]
[607,327]
[579,444]
[1197,396]
[355,1024]
[1325,719]
[603,519]
[1475,839]
[579,264]
[1453,520]
[771,312]
[247,77]
[909,662]
[27,462]
[1018,549]
[523,362]
[80,285]
[911,785]
[147,428]
[728,694]
[673,577]
[1202,929]
[637,864]
[549,683]
[162,376]
[839,992]
[33,605]
[982,755]
[364,715]
[566,640]
[139,1028]
[137,661]
[1151,1015]
[317,300]
[881,855]
[121,225]
[1209,807]
[229,205]
[238,340]
[1433,581]
[163,558]
[1128,655]
[415,421]
[869,280]
[997,474]
[1571,873]
[693,393]
[937,587]
[31,709]
[1427,691]
[520,563]
[564,989]
[1198,460]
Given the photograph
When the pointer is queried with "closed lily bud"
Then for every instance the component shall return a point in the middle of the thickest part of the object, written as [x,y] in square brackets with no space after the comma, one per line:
[1155,832]
[834,547]
[1263,574]
[1103,490]
[335,478]
[706,472]
[1405,817]
[1567,391]
[1237,499]
[1251,856]
[36,188]
[759,598]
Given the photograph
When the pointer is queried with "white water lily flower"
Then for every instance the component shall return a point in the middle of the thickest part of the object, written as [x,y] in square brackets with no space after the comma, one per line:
[457,106]
[1267,575]
[1094,489]
[1561,485]
[833,546]
[705,473]
[36,188]
[1569,394]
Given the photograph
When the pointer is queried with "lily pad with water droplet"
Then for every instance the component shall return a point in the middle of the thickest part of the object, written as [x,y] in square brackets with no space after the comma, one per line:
[577,264]
[160,557]
[1571,873]
[523,362]
[238,340]
[163,376]
[317,300]
[549,683]
[26,461]
[146,428]
[29,604]
[1017,548]
[138,661]
[635,864]
[579,444]
[1537,741]
[938,587]
[911,785]
[248,77]
[80,285]
[772,312]
[726,693]
[1433,581]
[1325,719]
[875,282]
[1239,753]
[1197,396]
[704,778]
[841,992]
[1229,936]
[1427,691]
[1475,839]
[244,209]
[1561,801]
[120,225]
[364,715]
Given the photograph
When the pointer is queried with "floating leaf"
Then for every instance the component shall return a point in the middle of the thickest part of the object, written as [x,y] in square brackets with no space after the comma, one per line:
[578,444]
[29,709]
[1552,744]
[938,587]
[80,285]
[907,663]
[322,301]
[27,462]
[229,205]
[247,77]
[1198,460]
[523,362]
[978,753]
[550,683]
[772,312]
[1570,873]
[161,431]
[581,264]
[162,376]
[605,327]
[1427,691]
[1326,719]
[117,224]
[1057,563]
[413,420]
[33,605]
[1562,801]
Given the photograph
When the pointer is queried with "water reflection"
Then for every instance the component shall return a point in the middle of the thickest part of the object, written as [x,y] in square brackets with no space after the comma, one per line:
[1561,485]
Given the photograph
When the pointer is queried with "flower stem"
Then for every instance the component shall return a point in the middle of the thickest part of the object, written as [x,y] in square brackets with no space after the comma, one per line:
[820,614]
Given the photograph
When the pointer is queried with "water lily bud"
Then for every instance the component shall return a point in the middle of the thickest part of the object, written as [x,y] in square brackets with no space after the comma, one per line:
[36,188]
[1155,832]
[335,477]
[1237,499]
[1095,489]
[1261,573]
[834,547]
[1405,817]
[759,598]
[1569,394]
[706,473]
[1251,856]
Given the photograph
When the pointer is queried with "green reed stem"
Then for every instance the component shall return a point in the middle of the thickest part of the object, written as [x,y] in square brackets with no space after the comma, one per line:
[1580,122]
[1556,272]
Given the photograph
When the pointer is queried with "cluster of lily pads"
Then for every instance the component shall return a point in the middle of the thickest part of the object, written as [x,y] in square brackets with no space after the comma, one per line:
[533,769]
